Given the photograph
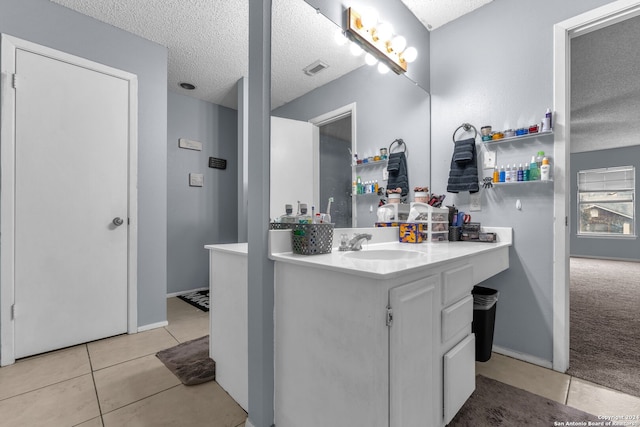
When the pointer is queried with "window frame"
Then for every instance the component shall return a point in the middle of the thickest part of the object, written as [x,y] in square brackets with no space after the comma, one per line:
[607,187]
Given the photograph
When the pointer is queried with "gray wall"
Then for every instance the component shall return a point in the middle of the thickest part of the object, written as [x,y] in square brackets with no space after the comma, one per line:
[199,215]
[627,248]
[387,107]
[49,24]
[502,75]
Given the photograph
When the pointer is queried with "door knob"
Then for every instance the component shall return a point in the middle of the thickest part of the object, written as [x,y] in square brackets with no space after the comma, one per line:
[117,221]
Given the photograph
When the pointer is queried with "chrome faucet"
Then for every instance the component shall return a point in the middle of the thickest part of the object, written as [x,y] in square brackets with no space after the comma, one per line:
[355,244]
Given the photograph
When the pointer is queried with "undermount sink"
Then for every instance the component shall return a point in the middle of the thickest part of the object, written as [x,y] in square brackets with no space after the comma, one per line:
[384,254]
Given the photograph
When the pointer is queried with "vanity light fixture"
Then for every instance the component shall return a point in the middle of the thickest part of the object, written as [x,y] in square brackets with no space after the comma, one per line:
[378,39]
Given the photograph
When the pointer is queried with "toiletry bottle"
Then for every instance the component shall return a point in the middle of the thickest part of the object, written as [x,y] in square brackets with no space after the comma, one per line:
[520,173]
[376,187]
[507,174]
[303,218]
[533,169]
[496,174]
[288,217]
[545,170]
[526,173]
[502,174]
[354,188]
[539,158]
[548,121]
[359,185]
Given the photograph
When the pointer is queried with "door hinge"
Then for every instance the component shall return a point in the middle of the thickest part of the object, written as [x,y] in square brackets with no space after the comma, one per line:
[14,81]
[389,316]
[13,311]
[566,221]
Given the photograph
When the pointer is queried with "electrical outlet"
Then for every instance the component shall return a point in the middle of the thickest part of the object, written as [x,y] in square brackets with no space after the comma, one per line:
[385,174]
[489,159]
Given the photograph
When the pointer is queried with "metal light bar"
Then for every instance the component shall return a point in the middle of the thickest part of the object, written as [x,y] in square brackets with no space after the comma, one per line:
[380,49]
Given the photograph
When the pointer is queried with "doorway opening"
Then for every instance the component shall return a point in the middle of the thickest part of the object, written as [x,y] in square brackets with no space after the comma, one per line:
[564,32]
[334,146]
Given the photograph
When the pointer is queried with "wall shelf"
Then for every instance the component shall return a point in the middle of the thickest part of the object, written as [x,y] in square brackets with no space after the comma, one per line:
[500,184]
[374,163]
[518,138]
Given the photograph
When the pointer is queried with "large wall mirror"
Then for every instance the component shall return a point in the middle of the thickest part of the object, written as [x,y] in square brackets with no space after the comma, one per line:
[328,105]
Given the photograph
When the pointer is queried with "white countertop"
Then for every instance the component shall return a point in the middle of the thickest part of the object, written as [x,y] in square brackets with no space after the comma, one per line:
[431,254]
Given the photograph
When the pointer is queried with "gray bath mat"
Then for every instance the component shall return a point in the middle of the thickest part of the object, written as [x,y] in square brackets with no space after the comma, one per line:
[498,404]
[190,361]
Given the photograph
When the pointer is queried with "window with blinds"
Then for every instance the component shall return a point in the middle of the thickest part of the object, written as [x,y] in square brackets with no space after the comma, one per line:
[606,202]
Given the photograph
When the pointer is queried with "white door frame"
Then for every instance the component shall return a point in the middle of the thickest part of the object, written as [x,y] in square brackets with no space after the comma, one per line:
[332,116]
[595,19]
[9,45]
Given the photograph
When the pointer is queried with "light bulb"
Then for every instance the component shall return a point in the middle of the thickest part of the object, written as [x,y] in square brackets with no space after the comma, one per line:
[369,18]
[384,31]
[339,37]
[370,59]
[410,54]
[398,44]
[382,68]
[355,49]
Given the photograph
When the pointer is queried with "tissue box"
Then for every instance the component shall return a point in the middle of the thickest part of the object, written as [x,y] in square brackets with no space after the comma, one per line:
[411,232]
[387,224]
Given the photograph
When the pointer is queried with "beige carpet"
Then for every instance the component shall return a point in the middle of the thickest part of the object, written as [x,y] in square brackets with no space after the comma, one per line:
[605,323]
[498,404]
[190,361]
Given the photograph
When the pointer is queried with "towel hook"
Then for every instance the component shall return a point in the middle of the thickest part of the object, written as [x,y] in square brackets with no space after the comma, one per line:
[467,127]
[400,143]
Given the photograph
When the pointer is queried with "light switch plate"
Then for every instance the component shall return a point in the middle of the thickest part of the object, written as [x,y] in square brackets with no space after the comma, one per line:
[189,145]
[489,159]
[385,174]
[474,202]
[196,179]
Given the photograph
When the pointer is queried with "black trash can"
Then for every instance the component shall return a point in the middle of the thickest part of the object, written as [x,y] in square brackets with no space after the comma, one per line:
[484,319]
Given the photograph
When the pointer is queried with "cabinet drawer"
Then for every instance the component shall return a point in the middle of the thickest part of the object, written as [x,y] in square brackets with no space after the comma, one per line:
[459,376]
[456,284]
[457,317]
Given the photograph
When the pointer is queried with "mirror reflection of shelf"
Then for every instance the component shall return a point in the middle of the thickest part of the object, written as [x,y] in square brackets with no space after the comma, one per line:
[499,184]
[374,163]
[518,138]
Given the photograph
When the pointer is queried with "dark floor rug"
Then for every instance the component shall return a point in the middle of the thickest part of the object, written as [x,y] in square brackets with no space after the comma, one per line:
[199,299]
[190,361]
[497,404]
[605,323]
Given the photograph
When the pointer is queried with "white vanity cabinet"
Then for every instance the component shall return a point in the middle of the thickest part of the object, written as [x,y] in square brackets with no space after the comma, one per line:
[354,350]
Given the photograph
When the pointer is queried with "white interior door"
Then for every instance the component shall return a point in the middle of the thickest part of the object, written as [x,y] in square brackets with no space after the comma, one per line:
[71,180]
[292,165]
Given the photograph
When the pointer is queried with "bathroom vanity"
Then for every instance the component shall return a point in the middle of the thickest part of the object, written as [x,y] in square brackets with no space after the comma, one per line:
[377,337]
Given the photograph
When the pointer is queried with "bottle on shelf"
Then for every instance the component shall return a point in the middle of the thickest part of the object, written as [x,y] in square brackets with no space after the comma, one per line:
[526,173]
[288,217]
[520,173]
[539,158]
[545,170]
[303,218]
[358,185]
[496,174]
[502,176]
[507,174]
[534,172]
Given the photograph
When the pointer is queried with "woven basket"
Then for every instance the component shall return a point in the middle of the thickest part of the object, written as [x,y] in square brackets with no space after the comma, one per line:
[312,239]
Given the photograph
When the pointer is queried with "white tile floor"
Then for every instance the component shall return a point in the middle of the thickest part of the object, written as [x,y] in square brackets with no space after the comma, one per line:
[119,382]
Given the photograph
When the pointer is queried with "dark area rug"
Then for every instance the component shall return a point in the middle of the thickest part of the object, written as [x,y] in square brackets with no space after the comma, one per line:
[199,299]
[190,361]
[605,323]
[497,404]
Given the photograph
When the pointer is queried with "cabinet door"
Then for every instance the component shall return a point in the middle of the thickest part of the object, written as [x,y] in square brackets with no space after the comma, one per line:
[459,376]
[411,354]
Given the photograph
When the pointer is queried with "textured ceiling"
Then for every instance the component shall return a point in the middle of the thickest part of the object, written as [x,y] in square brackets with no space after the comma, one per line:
[436,13]
[207,40]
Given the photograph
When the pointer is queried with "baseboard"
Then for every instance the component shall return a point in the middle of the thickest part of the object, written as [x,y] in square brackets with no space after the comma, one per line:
[175,294]
[152,326]
[523,356]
